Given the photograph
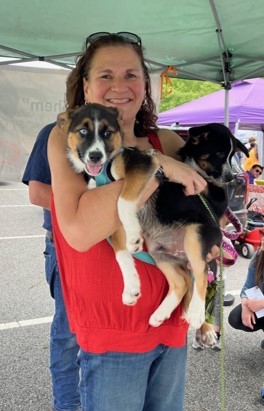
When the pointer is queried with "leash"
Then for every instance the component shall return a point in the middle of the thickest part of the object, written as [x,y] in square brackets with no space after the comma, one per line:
[222,355]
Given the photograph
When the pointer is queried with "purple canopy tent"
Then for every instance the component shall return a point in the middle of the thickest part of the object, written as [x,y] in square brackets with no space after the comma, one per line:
[246,106]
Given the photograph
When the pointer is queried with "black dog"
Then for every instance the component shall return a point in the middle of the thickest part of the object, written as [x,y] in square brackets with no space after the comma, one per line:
[180,229]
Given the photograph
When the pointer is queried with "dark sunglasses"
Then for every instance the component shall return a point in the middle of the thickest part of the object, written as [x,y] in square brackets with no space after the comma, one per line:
[258,171]
[126,35]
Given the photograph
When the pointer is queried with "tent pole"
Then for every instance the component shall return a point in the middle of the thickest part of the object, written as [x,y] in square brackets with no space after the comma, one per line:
[227,107]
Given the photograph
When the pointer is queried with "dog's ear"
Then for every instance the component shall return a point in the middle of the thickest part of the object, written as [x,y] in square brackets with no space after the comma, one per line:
[118,113]
[238,147]
[196,133]
[64,121]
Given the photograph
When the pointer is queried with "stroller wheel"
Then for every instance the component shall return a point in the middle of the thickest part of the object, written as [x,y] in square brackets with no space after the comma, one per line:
[247,250]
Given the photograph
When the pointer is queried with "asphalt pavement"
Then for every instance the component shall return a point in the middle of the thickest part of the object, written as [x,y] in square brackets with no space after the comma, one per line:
[229,380]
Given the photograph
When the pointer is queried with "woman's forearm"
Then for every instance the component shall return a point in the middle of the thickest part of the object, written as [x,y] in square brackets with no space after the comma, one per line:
[85,216]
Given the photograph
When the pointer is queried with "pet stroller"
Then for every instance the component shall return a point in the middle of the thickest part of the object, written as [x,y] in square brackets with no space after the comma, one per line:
[248,241]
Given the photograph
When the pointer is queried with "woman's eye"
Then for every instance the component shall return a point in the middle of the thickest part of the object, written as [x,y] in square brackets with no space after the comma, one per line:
[106,77]
[131,75]
[83,132]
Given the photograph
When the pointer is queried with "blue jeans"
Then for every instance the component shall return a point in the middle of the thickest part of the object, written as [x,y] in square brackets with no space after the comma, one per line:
[151,381]
[63,346]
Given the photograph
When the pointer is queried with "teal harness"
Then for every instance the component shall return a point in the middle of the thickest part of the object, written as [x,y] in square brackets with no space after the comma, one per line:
[102,179]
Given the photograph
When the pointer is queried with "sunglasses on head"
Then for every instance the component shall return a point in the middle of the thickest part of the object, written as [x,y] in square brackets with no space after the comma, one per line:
[126,35]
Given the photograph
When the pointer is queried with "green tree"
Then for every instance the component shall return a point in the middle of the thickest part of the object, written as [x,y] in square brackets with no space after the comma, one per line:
[184,91]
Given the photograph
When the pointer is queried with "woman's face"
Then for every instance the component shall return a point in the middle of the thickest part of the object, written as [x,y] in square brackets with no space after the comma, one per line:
[116,79]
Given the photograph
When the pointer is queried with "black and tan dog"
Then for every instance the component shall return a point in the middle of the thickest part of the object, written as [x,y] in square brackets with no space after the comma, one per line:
[179,230]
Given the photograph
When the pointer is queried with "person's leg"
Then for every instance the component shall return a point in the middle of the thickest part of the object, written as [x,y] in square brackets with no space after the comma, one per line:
[217,314]
[63,347]
[119,381]
[166,387]
[235,320]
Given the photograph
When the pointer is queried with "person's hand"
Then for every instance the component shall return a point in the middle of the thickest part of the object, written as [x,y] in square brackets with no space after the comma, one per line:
[184,174]
[247,315]
[254,305]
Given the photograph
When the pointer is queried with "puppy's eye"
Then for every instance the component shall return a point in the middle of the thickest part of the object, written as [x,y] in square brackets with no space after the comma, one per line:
[107,133]
[83,131]
[204,157]
[220,154]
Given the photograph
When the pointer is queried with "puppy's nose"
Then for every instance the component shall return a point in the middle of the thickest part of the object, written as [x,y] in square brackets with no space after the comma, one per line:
[95,156]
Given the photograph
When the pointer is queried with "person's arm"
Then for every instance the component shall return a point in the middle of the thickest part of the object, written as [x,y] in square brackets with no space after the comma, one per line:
[250,279]
[87,216]
[171,142]
[39,194]
[247,315]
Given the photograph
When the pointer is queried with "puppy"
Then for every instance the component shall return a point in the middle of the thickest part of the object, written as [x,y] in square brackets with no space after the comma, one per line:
[94,148]
[179,230]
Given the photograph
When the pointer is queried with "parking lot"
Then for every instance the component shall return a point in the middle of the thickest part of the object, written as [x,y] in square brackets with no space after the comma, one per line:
[228,380]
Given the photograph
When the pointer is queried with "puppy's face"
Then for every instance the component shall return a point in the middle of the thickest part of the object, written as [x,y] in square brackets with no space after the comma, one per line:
[94,136]
[210,149]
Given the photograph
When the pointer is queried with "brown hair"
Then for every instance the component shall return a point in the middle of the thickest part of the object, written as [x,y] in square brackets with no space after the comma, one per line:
[146,117]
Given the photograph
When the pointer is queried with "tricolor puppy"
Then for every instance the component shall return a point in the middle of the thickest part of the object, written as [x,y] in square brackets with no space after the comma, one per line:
[95,148]
[178,230]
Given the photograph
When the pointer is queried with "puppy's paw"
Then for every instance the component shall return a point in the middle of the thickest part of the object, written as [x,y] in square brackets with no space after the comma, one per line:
[131,291]
[134,239]
[157,318]
[206,336]
[134,244]
[195,315]
[163,312]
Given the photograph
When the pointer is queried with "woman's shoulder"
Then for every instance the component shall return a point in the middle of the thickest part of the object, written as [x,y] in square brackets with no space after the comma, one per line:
[170,141]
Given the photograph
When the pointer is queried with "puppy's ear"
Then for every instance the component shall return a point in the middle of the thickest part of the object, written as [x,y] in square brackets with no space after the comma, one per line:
[64,121]
[196,133]
[118,113]
[240,147]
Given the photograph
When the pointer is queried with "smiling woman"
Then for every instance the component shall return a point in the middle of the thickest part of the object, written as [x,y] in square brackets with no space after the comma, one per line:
[113,336]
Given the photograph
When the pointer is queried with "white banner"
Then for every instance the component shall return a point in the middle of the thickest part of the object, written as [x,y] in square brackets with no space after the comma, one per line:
[30,98]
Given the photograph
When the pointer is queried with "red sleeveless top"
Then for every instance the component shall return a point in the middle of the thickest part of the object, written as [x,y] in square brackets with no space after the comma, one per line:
[92,287]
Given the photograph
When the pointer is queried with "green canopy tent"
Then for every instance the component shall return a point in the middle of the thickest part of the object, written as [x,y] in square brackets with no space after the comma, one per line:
[216,40]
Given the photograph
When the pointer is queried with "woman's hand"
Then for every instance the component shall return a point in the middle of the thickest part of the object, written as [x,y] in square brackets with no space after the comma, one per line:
[184,174]
[254,305]
[247,315]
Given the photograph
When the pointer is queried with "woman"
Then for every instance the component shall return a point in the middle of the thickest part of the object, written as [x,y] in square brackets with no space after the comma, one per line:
[243,317]
[125,363]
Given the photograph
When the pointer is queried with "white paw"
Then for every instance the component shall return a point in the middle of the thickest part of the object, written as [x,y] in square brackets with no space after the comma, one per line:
[163,312]
[131,291]
[195,314]
[209,338]
[157,318]
[134,242]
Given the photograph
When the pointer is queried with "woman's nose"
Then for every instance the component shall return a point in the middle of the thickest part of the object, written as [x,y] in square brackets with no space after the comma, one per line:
[119,84]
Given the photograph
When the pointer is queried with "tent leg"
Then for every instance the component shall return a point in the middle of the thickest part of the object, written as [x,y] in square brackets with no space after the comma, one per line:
[226,107]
